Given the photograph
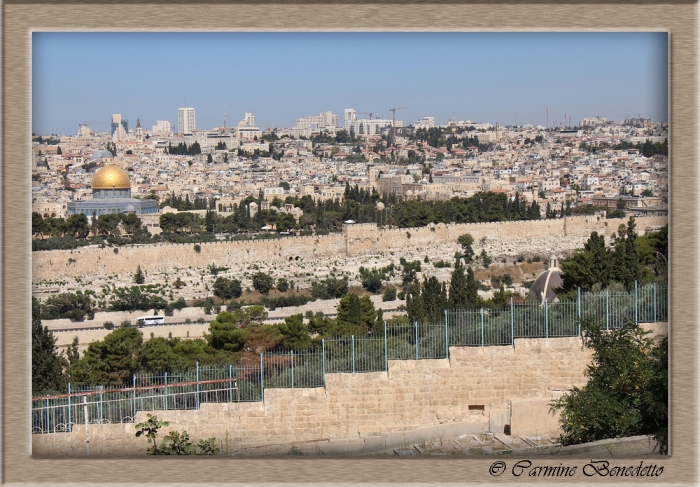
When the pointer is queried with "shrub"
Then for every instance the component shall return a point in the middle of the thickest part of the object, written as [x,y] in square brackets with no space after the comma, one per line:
[108,325]
[197,248]
[389,294]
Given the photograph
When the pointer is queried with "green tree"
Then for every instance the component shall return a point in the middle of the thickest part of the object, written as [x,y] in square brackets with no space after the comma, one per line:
[389,293]
[485,259]
[282,284]
[295,335]
[47,365]
[285,222]
[262,282]
[458,287]
[158,355]
[472,293]
[350,310]
[113,360]
[627,389]
[75,306]
[139,277]
[466,242]
[226,288]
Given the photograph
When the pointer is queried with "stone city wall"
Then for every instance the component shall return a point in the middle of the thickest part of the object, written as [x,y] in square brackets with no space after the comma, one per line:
[355,240]
[461,392]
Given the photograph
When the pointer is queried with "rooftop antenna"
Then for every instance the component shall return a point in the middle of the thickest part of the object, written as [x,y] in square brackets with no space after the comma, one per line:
[547,110]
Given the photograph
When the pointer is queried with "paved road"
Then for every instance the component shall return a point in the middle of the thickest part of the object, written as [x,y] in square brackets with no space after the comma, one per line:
[177,323]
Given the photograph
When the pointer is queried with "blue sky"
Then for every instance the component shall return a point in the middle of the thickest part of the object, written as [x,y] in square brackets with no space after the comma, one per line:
[483,77]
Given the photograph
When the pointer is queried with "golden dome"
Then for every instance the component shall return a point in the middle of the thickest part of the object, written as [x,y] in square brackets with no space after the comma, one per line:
[111,176]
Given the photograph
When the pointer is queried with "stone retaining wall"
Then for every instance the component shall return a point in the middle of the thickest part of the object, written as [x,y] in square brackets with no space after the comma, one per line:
[463,389]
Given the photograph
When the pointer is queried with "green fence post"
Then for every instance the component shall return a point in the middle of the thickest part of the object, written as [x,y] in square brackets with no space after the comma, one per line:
[482,327]
[101,415]
[546,318]
[262,378]
[654,302]
[230,382]
[352,345]
[70,428]
[291,353]
[578,308]
[512,323]
[386,355]
[447,338]
[166,391]
[607,309]
[636,304]
[323,361]
[196,365]
[416,325]
[134,395]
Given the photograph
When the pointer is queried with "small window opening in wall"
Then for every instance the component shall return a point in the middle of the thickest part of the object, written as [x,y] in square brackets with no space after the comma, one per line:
[476,407]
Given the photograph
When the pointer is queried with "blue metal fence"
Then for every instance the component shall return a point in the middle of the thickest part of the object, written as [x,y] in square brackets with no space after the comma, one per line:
[397,341]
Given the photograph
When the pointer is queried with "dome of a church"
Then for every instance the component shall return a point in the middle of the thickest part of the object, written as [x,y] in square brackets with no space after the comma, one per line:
[545,284]
[101,154]
[111,176]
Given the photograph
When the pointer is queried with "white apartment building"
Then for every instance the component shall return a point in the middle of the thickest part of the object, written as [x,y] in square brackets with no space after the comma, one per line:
[162,127]
[425,123]
[322,120]
[185,121]
[247,130]
[366,126]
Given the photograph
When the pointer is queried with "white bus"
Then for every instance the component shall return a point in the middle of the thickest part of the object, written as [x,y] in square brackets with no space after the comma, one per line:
[150,320]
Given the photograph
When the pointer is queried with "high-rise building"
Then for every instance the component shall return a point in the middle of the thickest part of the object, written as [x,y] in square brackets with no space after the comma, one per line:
[185,121]
[119,128]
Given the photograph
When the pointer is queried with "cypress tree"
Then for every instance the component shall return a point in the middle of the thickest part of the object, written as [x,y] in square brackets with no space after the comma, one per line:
[458,286]
[472,292]
[47,365]
[139,278]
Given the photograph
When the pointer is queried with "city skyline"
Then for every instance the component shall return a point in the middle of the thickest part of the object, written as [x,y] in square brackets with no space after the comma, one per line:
[509,78]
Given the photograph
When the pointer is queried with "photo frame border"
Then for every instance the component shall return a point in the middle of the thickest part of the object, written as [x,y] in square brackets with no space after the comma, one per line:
[20,18]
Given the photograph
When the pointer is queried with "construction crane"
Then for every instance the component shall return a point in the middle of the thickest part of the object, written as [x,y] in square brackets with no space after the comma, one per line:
[393,121]
[368,113]
[85,124]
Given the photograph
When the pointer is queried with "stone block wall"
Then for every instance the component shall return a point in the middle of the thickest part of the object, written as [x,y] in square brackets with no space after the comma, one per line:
[356,239]
[412,394]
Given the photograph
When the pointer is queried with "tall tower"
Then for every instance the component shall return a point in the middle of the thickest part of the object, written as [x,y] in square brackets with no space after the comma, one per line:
[139,131]
[185,121]
[120,128]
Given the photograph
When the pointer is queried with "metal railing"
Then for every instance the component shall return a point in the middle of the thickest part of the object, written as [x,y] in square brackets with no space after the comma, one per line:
[62,412]
[308,368]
